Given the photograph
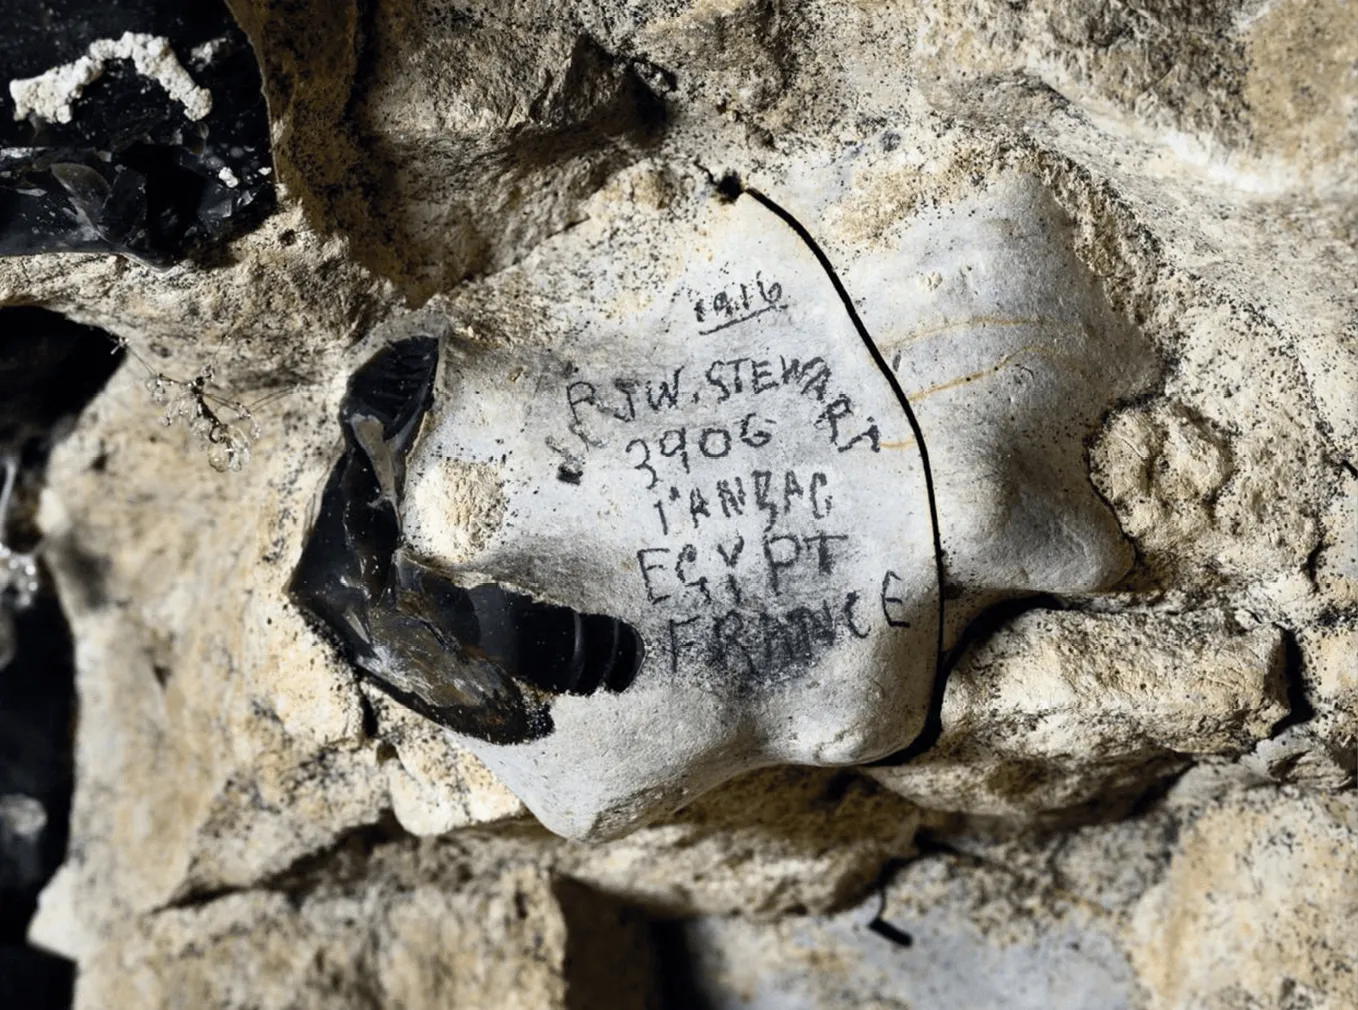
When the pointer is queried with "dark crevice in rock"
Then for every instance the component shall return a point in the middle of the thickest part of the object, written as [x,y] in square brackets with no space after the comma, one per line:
[1152,798]
[37,722]
[611,959]
[50,368]
[932,844]
[679,978]
[34,980]
[337,865]
[1299,707]
[1130,793]
[343,862]
[370,724]
[1311,566]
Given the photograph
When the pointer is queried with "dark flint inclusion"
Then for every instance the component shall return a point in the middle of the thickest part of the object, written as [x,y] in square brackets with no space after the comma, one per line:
[481,660]
[131,173]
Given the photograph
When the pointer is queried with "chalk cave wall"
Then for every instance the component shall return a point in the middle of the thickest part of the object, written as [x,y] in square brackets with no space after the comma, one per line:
[1139,797]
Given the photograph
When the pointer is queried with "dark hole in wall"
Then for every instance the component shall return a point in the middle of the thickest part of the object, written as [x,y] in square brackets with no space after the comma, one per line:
[50,368]
[623,957]
[34,980]
[678,974]
[37,714]
[1292,673]
[609,958]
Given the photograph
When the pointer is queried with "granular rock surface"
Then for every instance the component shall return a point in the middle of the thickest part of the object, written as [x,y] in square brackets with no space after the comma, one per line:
[1108,253]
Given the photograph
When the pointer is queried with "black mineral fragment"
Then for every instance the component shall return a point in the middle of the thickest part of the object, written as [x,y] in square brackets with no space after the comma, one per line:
[482,660]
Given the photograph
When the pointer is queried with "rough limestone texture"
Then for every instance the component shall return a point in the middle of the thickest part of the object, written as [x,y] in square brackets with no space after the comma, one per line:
[1231,904]
[501,942]
[1248,908]
[418,758]
[1109,253]
[1135,696]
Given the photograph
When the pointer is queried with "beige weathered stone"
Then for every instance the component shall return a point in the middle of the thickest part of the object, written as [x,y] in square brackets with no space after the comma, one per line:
[774,842]
[1202,162]
[436,785]
[435,172]
[1252,910]
[498,942]
[1061,709]
[238,757]
[1227,894]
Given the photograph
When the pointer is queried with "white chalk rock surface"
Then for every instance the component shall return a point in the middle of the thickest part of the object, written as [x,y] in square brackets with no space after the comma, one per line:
[732,476]
[712,458]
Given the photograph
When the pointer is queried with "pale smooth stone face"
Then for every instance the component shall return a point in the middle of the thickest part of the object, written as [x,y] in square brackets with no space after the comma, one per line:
[1011,356]
[733,477]
[707,452]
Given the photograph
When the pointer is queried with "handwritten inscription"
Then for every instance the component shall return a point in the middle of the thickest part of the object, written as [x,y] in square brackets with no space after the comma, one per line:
[723,380]
[738,304]
[749,562]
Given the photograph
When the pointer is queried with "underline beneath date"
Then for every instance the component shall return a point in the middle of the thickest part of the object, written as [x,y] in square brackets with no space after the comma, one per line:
[742,319]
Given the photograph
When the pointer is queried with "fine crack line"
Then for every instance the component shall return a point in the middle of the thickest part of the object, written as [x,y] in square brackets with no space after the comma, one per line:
[730,186]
